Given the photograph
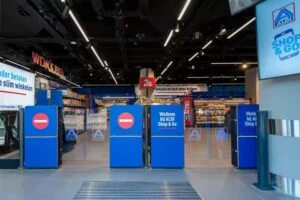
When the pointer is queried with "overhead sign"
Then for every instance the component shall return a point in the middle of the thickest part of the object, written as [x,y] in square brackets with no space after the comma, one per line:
[126,120]
[175,89]
[278,31]
[149,82]
[167,120]
[47,64]
[16,88]
[40,121]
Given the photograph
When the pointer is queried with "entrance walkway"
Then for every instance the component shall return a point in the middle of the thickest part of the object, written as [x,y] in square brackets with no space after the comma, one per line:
[63,184]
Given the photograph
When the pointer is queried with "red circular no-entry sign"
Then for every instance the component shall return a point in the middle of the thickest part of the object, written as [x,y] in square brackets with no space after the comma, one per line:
[125,120]
[40,121]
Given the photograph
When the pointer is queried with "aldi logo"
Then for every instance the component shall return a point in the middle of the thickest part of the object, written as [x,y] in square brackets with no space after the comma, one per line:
[284,16]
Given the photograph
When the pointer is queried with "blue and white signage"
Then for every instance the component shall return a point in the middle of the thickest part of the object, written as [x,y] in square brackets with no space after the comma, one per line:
[167,120]
[278,31]
[247,119]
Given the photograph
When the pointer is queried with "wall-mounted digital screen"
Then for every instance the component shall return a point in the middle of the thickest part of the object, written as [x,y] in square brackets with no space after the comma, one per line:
[237,6]
[278,38]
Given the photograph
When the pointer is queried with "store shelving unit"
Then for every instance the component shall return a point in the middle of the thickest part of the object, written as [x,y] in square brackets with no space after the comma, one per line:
[211,113]
[74,108]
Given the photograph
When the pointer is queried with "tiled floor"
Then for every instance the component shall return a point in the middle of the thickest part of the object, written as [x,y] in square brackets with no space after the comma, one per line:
[208,169]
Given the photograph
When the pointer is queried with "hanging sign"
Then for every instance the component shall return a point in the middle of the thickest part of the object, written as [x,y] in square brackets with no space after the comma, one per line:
[47,64]
[146,83]
[175,89]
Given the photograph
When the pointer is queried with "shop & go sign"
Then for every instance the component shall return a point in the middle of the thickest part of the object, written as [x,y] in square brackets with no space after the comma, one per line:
[278,31]
[47,64]
[286,44]
[167,120]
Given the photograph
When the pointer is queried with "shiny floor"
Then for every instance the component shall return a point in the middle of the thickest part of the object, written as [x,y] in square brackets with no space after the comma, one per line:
[211,184]
[208,169]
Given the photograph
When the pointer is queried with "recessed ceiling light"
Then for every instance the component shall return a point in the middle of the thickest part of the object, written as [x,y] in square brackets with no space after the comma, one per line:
[245,66]
[73,42]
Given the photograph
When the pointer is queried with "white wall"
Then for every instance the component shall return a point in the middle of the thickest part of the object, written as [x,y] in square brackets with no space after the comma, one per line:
[281,97]
[252,84]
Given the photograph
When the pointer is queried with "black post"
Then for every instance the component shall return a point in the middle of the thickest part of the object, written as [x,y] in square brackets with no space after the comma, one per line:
[263,181]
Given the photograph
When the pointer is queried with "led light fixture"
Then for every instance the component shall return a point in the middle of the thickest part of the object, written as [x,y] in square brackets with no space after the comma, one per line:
[105,62]
[186,5]
[78,25]
[194,56]
[207,45]
[169,37]
[97,56]
[112,75]
[241,28]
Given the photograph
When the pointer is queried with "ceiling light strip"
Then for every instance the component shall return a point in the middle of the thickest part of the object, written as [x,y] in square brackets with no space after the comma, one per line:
[169,38]
[207,45]
[241,28]
[112,75]
[105,62]
[191,58]
[78,25]
[167,67]
[186,5]
[97,56]
[70,82]
[14,63]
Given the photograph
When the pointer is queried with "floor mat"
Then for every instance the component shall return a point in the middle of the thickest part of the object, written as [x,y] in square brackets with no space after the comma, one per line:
[136,190]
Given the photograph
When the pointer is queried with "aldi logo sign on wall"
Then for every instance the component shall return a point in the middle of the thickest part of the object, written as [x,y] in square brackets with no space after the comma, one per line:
[278,32]
[149,82]
[284,15]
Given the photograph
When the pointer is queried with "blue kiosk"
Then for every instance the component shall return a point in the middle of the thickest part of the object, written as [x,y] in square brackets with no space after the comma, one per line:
[126,137]
[244,135]
[42,143]
[167,136]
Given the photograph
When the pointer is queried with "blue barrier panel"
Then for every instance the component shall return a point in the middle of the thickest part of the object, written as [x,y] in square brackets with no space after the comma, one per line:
[41,137]
[167,136]
[247,135]
[126,142]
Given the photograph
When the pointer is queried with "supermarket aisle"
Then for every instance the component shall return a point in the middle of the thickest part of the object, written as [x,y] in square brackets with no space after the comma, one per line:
[207,148]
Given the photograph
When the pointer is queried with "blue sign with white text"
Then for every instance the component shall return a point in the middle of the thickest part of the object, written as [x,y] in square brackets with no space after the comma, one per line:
[247,119]
[278,31]
[167,120]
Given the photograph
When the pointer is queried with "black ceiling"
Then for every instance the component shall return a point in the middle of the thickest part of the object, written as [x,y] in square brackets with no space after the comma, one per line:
[129,34]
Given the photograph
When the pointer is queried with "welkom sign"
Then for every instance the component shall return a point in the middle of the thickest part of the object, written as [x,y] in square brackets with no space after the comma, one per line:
[47,64]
